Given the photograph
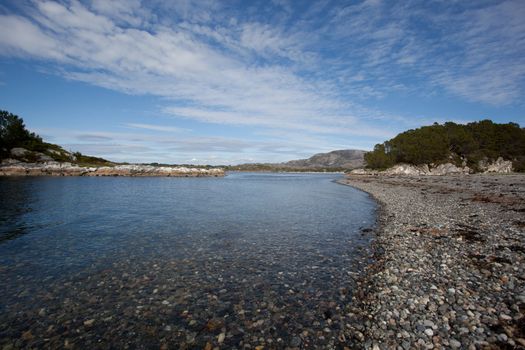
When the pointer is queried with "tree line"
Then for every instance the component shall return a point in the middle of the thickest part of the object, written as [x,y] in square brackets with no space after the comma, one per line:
[451,142]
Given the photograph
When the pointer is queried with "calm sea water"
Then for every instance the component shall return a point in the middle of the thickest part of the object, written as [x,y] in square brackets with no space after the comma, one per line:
[245,260]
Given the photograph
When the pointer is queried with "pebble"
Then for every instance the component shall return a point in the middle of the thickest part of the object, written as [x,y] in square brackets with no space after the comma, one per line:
[429,332]
[453,246]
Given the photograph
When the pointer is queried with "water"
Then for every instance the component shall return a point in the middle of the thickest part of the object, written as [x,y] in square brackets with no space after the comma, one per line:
[258,259]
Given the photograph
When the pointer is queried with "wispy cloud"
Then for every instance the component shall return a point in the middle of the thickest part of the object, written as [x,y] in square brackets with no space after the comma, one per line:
[212,67]
[312,68]
[162,128]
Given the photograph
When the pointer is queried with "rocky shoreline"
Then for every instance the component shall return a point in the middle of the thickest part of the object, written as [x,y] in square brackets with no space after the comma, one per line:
[449,264]
[11,167]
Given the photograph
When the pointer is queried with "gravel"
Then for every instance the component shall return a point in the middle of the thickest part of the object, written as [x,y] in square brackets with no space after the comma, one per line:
[449,264]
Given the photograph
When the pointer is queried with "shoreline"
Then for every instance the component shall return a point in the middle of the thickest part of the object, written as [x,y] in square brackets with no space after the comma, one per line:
[448,266]
[11,168]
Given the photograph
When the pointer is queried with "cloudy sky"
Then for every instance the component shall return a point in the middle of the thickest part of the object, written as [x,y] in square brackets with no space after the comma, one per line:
[226,82]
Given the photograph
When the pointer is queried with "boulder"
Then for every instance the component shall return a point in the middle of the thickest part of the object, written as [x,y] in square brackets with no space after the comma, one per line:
[19,152]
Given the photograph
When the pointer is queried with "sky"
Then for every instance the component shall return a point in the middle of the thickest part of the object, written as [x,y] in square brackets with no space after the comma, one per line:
[238,81]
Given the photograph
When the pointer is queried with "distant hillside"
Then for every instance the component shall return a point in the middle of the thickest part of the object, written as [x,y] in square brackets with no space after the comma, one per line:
[340,160]
[346,159]
[471,144]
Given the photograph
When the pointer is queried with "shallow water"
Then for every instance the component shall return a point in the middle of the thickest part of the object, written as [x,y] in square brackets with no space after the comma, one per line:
[245,260]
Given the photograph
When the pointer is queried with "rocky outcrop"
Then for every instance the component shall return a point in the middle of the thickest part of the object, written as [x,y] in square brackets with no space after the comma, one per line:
[413,170]
[407,169]
[449,169]
[12,167]
[500,166]
[28,156]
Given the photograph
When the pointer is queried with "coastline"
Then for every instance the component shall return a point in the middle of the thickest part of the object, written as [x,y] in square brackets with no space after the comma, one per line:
[448,266]
[52,168]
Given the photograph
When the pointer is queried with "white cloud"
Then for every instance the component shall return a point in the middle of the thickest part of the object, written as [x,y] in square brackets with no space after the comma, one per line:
[26,39]
[172,62]
[315,72]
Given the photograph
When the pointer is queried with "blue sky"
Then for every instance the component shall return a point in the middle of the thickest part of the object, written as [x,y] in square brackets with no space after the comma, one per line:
[209,82]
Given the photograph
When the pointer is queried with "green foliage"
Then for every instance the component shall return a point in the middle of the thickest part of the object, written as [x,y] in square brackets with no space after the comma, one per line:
[13,133]
[437,143]
[90,160]
[379,158]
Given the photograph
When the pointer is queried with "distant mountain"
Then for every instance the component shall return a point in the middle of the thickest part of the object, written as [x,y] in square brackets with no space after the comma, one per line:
[340,160]
[346,159]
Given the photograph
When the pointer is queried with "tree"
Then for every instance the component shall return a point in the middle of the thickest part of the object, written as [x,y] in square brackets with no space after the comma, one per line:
[483,140]
[13,133]
[379,158]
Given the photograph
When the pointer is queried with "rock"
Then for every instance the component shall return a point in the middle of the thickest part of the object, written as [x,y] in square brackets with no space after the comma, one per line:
[27,336]
[89,323]
[448,169]
[221,338]
[19,152]
[412,170]
[362,171]
[505,317]
[295,342]
[43,157]
[406,169]
[454,343]
[449,262]
[9,161]
[499,166]
[53,168]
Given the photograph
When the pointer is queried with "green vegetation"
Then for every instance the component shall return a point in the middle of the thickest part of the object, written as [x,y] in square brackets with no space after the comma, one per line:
[450,142]
[13,134]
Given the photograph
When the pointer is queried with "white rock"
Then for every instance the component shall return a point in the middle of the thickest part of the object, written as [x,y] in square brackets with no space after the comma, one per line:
[499,166]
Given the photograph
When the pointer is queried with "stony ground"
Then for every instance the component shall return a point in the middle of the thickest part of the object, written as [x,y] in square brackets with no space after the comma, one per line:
[450,264]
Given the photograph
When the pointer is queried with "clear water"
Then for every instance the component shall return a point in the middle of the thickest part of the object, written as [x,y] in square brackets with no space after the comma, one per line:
[263,259]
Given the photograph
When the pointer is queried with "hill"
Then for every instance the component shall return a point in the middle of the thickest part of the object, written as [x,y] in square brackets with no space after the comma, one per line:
[16,142]
[339,160]
[472,144]
[346,159]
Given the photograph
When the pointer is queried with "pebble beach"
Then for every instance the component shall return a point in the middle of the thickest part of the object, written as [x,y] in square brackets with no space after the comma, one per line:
[449,264]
